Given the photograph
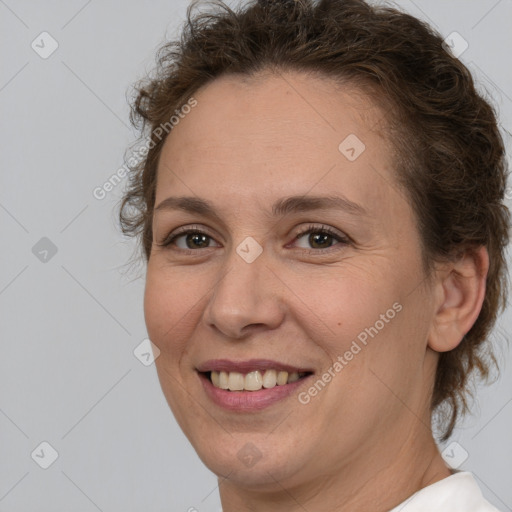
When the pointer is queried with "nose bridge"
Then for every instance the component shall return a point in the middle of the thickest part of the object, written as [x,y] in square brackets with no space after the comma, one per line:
[243,295]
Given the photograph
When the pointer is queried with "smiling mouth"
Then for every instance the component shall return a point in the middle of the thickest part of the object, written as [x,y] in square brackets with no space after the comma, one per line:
[253,381]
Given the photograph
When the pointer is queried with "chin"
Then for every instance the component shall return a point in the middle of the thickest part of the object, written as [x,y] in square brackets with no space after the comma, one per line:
[252,461]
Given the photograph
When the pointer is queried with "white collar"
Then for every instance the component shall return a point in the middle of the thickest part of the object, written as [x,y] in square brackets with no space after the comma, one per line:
[456,493]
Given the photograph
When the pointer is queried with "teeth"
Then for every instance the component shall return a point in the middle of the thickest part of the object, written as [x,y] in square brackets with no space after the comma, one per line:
[223,380]
[282,378]
[269,379]
[235,381]
[293,377]
[253,381]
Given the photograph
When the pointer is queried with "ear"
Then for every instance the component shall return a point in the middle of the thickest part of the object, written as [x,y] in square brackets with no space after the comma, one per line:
[459,295]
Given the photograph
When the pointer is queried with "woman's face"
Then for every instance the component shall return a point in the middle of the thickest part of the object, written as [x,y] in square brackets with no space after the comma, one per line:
[252,168]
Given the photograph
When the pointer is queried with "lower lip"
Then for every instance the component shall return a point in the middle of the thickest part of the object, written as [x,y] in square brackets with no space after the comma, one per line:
[248,401]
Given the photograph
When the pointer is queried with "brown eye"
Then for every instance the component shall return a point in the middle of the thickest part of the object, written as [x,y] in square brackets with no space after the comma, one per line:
[189,239]
[316,237]
[197,240]
[320,240]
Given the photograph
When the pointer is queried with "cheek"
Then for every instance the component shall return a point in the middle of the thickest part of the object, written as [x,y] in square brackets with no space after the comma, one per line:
[171,309]
[382,347]
[171,305]
[341,305]
[368,323]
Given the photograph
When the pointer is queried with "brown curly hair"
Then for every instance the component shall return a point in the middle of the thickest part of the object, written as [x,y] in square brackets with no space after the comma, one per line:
[450,156]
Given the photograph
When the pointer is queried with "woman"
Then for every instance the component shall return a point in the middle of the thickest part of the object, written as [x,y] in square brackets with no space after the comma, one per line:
[321,212]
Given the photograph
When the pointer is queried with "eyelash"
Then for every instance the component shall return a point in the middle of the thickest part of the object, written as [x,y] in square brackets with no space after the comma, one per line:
[324,230]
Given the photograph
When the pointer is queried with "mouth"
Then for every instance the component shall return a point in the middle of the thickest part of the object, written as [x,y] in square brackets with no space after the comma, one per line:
[250,385]
[254,380]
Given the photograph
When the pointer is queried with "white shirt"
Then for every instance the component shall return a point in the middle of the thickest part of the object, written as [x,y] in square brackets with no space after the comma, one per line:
[456,493]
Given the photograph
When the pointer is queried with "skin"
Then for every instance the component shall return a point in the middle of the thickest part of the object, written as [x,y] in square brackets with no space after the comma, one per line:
[364,441]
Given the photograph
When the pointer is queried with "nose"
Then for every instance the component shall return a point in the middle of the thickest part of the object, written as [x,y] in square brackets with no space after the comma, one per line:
[245,299]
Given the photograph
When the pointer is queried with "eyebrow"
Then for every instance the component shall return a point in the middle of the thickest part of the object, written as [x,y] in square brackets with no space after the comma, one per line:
[282,207]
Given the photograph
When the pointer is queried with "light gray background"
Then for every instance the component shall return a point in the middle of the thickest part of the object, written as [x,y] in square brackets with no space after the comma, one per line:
[69,326]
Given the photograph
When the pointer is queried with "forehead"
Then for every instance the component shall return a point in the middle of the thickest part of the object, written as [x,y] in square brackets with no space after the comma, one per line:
[275,131]
[291,103]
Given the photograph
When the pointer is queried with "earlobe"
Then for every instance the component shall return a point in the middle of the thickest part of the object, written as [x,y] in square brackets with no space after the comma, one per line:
[459,298]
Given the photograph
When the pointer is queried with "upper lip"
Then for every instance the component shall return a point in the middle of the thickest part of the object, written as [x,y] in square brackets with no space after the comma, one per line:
[248,365]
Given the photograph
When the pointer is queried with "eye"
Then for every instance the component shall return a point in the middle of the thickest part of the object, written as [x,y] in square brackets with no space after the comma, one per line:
[319,237]
[313,238]
[188,239]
